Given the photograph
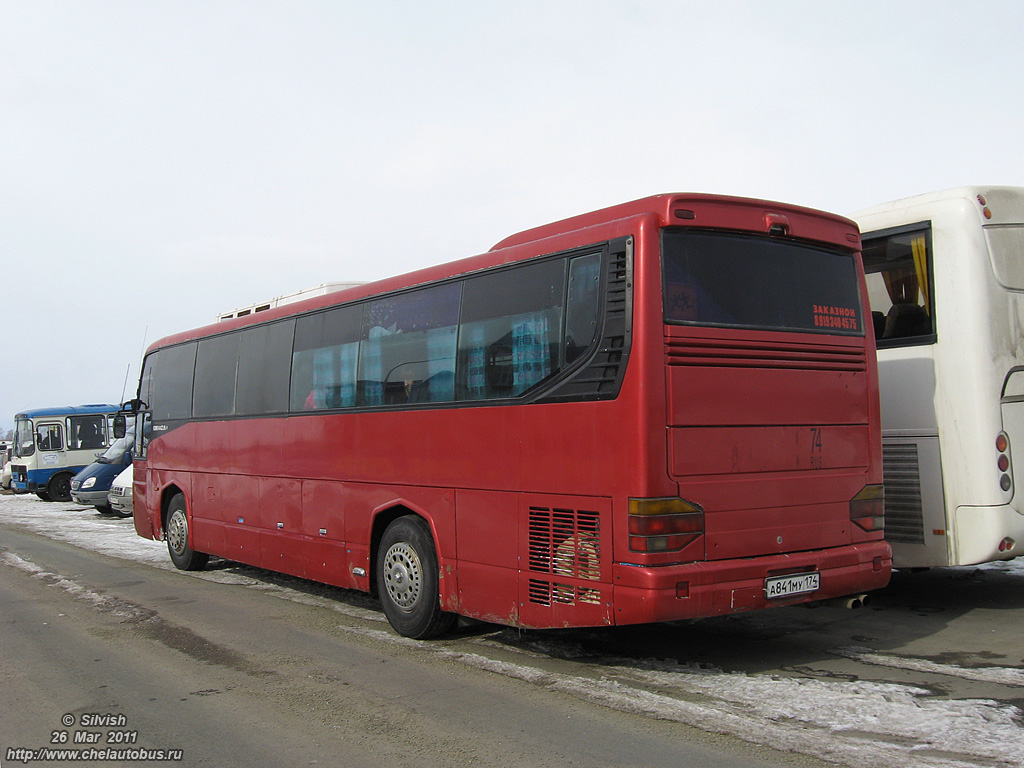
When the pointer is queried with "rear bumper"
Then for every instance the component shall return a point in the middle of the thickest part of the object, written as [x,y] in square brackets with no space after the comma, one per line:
[644,595]
[980,530]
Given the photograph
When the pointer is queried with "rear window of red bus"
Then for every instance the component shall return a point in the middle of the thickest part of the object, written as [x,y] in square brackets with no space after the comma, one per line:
[747,281]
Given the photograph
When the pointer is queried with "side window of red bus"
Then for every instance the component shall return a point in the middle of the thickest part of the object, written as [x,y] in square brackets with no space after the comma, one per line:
[261,384]
[511,329]
[898,264]
[167,378]
[324,359]
[407,347]
[582,305]
[216,365]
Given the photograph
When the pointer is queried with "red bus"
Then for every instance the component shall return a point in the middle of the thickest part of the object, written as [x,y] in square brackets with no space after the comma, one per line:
[661,410]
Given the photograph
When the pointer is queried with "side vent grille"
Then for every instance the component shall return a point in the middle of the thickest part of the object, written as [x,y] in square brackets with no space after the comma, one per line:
[566,543]
[904,520]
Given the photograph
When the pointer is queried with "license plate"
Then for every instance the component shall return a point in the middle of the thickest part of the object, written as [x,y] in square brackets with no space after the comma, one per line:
[797,584]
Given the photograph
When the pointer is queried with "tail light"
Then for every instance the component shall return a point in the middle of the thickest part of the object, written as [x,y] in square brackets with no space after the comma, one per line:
[1003,461]
[867,508]
[663,525]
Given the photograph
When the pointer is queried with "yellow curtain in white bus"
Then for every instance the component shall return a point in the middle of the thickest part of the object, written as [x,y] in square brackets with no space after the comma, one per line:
[921,267]
[901,285]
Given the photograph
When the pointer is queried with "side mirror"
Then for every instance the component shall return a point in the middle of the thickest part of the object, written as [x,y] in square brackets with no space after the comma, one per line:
[120,427]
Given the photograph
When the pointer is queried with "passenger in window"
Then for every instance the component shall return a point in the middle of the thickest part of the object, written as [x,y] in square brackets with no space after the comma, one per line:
[89,436]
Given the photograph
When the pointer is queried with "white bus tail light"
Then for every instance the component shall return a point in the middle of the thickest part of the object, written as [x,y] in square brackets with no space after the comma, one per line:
[663,525]
[1003,461]
[867,508]
[1007,544]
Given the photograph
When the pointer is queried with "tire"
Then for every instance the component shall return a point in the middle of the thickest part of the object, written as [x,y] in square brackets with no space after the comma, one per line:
[59,487]
[43,495]
[177,534]
[407,580]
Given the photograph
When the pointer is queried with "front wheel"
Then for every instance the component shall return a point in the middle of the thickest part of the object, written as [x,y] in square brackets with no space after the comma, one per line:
[59,487]
[408,581]
[176,532]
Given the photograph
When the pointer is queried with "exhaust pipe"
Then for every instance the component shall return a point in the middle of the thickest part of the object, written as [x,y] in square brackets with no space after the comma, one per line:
[850,602]
[855,601]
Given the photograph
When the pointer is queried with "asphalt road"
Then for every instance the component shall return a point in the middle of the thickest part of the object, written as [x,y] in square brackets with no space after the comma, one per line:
[237,666]
[231,674]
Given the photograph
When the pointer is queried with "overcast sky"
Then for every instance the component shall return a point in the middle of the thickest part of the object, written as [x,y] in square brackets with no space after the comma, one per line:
[162,162]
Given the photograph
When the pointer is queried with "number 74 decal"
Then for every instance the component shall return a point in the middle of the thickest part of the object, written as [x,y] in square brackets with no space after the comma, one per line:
[817,460]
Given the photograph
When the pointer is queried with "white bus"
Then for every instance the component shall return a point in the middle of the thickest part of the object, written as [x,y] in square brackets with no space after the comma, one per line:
[945,276]
[287,298]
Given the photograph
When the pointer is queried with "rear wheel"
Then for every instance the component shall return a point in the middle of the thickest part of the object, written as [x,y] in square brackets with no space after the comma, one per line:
[176,532]
[407,580]
[59,487]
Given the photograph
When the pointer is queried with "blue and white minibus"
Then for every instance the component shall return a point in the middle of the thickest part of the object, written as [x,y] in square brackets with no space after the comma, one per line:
[51,445]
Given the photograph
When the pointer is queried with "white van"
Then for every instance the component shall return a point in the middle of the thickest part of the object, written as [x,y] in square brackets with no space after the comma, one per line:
[120,496]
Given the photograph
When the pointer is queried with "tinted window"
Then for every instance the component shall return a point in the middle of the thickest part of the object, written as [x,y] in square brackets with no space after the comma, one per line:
[216,365]
[263,363]
[166,384]
[511,330]
[898,267]
[582,304]
[86,432]
[324,360]
[757,282]
[407,347]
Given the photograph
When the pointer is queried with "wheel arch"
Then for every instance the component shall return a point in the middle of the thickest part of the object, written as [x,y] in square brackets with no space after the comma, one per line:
[166,494]
[382,517]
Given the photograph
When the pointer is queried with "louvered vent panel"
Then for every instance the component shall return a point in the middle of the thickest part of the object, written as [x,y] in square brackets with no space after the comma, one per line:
[756,354]
[564,542]
[904,519]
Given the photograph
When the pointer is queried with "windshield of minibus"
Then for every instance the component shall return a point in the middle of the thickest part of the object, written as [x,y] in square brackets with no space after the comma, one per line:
[24,438]
[748,281]
[116,450]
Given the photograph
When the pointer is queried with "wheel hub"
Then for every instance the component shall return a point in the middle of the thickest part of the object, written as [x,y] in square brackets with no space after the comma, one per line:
[403,576]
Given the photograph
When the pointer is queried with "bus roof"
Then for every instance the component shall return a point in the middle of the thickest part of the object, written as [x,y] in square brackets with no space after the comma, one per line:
[1005,205]
[677,209]
[67,410]
[703,210]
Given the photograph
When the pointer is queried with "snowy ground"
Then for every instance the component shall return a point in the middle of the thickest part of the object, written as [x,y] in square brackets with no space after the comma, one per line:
[855,723]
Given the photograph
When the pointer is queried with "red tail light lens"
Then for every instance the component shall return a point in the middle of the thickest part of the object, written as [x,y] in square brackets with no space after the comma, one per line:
[663,525]
[1003,461]
[867,508]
